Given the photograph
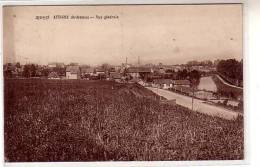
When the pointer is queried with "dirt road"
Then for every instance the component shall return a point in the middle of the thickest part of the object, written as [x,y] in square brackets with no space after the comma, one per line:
[198,105]
[224,82]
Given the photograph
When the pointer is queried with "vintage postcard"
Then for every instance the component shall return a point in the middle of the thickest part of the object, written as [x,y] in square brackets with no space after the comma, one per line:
[123,83]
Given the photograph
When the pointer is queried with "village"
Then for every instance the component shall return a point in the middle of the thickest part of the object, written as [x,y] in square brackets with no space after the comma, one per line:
[193,79]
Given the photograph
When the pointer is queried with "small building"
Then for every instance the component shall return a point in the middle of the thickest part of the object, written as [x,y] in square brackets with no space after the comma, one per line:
[53,75]
[185,83]
[163,83]
[115,76]
[72,72]
[117,68]
[56,65]
[133,72]
[100,71]
[87,71]
[138,72]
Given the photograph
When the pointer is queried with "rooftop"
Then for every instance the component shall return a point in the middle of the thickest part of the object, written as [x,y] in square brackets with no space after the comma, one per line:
[72,69]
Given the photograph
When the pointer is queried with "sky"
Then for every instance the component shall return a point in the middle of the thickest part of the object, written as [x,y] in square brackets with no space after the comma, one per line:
[168,34]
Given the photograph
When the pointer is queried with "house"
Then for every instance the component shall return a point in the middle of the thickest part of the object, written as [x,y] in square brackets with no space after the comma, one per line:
[138,72]
[51,65]
[72,72]
[145,72]
[159,70]
[133,72]
[126,65]
[185,83]
[55,65]
[87,71]
[99,71]
[115,76]
[53,75]
[163,83]
[117,68]
[177,68]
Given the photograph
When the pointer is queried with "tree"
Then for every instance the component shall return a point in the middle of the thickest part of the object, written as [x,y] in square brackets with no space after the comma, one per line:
[29,70]
[182,74]
[45,72]
[18,65]
[8,70]
[232,69]
[61,71]
[194,77]
[33,69]
[26,71]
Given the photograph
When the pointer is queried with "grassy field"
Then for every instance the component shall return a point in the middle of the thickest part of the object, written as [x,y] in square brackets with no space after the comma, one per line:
[62,120]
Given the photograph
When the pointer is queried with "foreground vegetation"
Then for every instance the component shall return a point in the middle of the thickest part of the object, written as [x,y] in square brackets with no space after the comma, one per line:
[62,120]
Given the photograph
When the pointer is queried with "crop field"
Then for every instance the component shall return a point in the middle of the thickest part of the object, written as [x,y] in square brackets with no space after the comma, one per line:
[77,120]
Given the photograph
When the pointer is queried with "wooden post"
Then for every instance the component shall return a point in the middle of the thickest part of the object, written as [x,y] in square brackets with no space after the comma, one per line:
[192,98]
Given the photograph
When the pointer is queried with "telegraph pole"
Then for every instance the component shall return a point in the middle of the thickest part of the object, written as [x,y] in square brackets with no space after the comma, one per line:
[192,101]
[126,62]
[192,98]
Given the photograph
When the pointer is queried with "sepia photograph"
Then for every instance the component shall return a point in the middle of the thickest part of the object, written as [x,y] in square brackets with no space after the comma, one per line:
[157,82]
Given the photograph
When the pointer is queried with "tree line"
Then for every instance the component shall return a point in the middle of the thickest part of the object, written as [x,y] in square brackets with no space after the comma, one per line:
[231,70]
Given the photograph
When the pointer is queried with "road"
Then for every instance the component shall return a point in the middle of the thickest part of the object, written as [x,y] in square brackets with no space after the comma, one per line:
[224,82]
[198,105]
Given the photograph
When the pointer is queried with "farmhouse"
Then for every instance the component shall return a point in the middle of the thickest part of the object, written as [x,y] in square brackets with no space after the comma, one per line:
[72,72]
[163,83]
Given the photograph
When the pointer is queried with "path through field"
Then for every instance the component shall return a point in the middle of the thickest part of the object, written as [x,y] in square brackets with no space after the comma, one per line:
[198,105]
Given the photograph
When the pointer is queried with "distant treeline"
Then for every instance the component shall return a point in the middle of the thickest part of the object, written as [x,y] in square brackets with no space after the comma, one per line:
[231,70]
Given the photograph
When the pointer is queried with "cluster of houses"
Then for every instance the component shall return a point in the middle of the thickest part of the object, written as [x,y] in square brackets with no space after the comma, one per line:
[146,75]
[76,71]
